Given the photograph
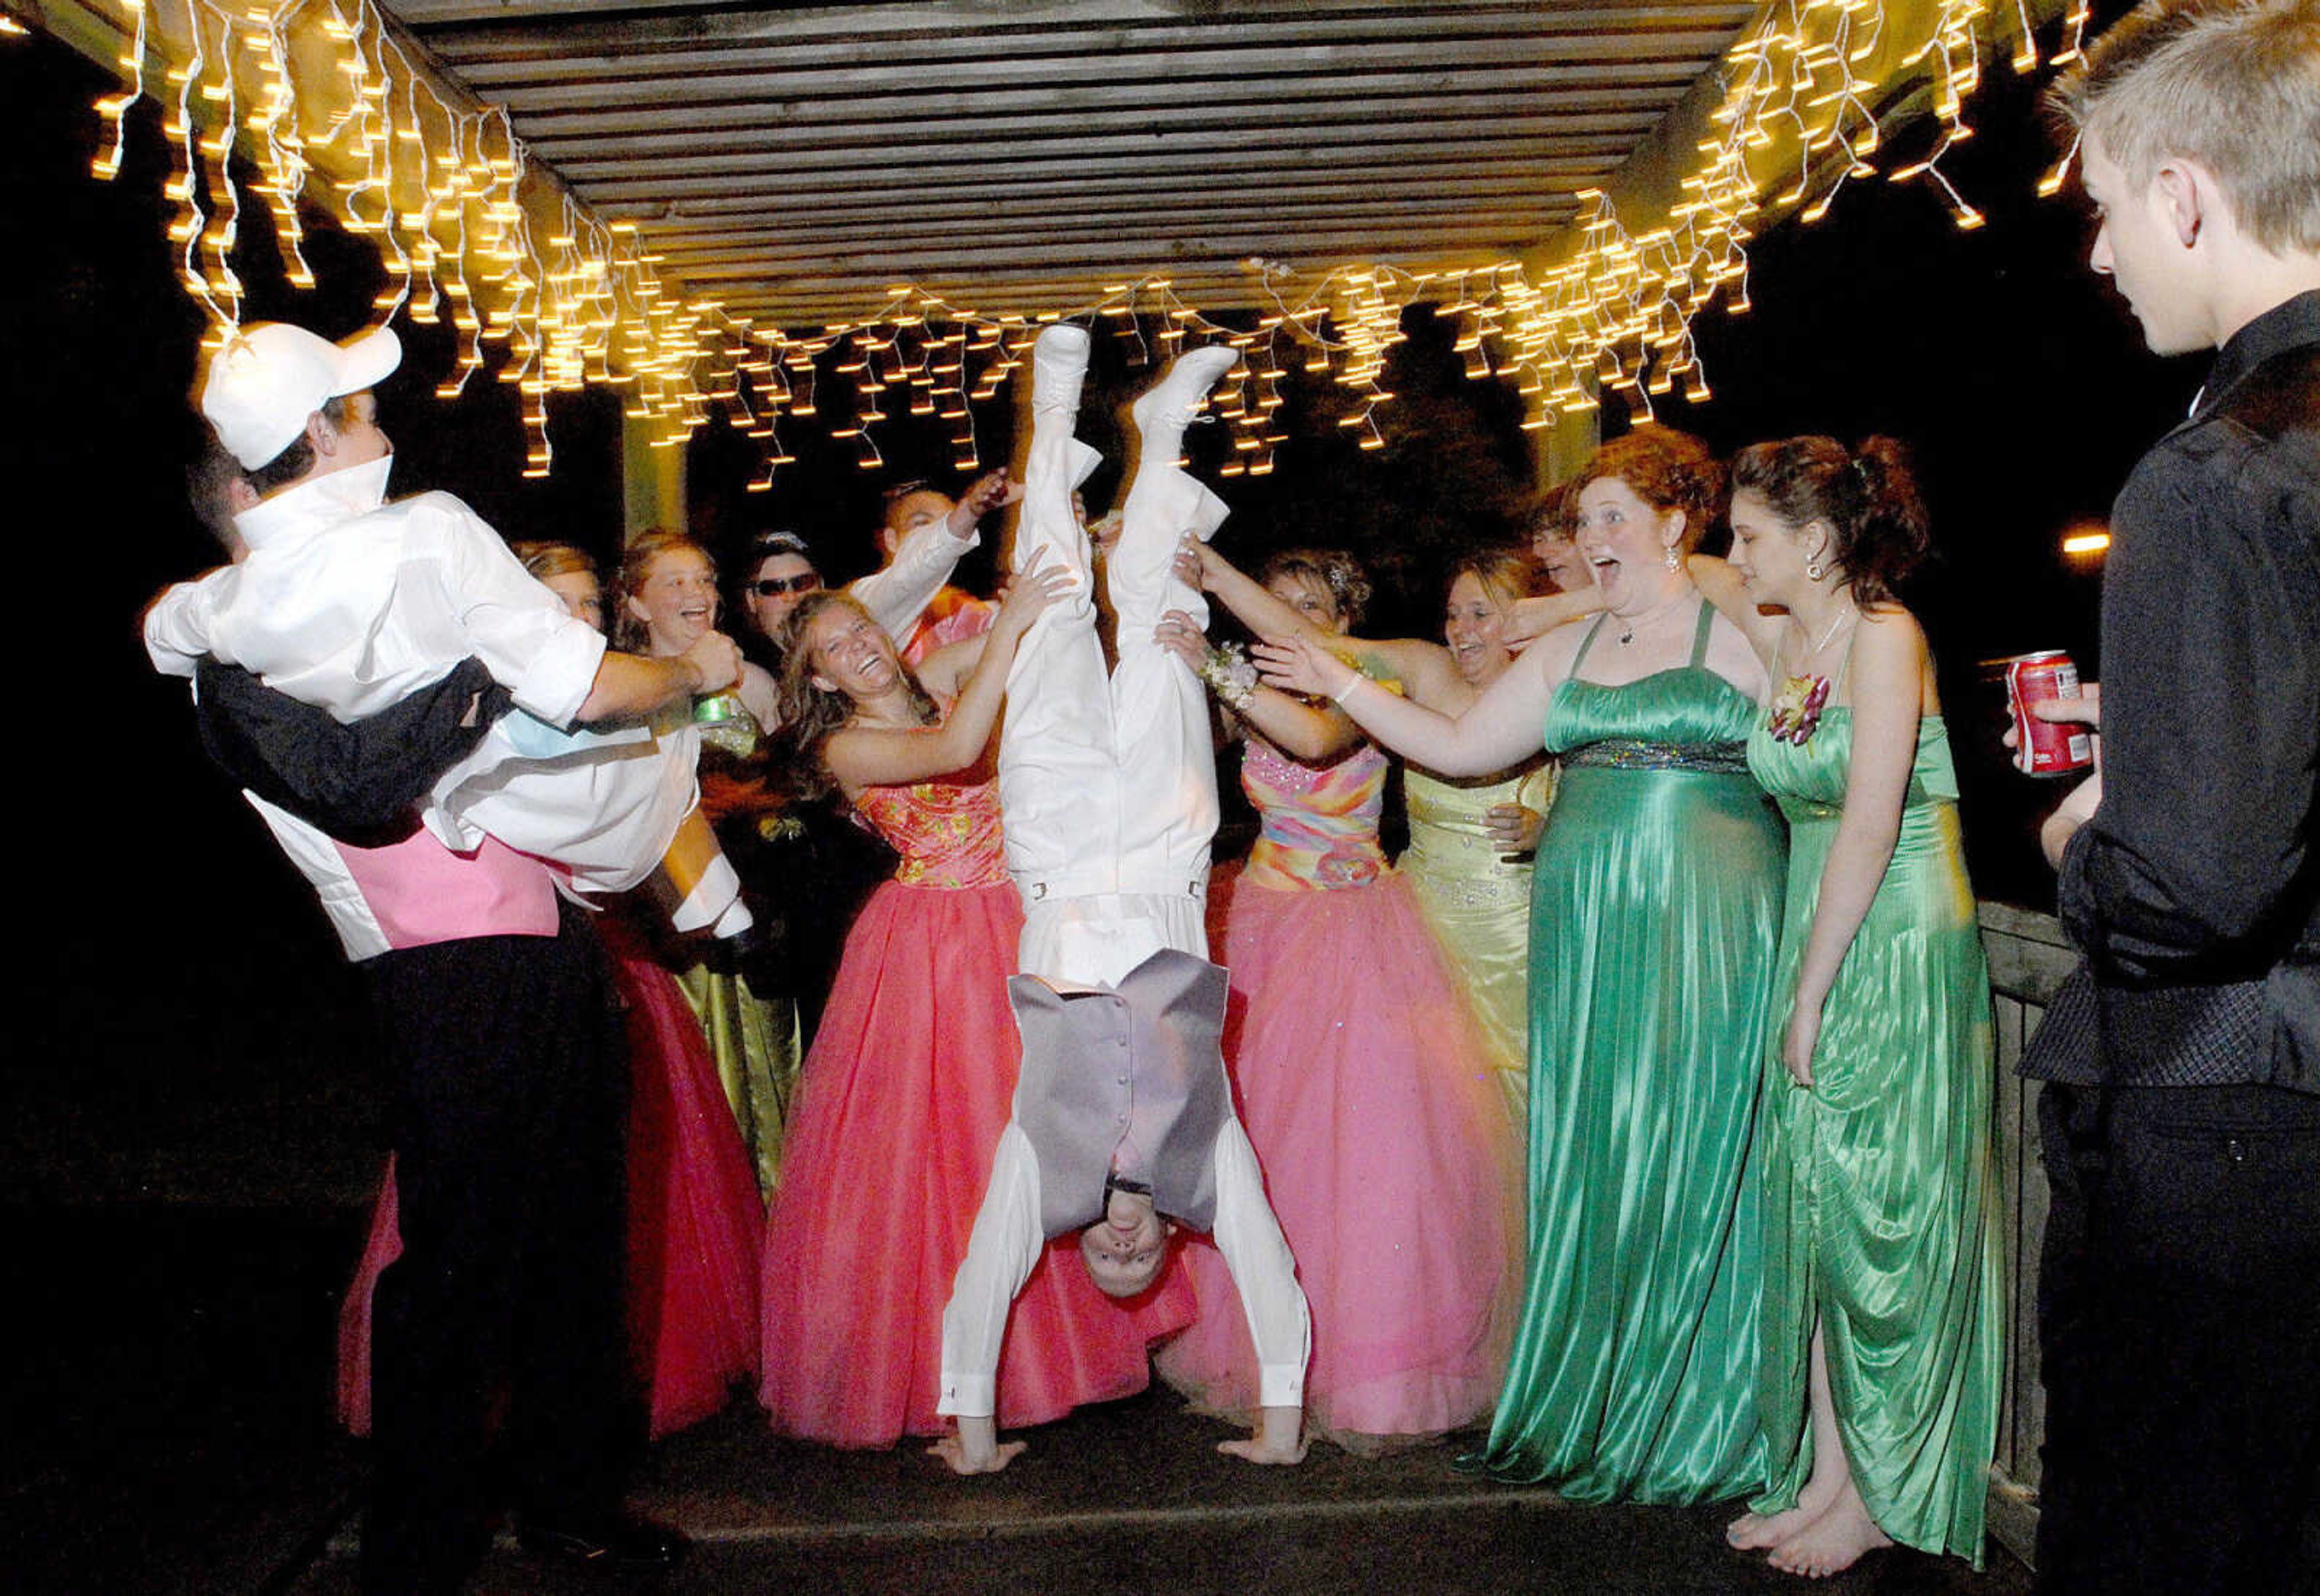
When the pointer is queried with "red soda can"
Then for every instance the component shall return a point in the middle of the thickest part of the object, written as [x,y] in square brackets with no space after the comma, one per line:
[2042,747]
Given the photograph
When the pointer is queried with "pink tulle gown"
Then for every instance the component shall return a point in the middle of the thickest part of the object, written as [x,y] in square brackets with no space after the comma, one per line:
[694,1215]
[898,1114]
[1368,1095]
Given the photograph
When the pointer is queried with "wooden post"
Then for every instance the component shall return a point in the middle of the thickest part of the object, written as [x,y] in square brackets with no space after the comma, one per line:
[652,481]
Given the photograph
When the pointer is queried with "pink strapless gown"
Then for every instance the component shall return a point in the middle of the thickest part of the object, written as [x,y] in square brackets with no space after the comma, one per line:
[1367,1091]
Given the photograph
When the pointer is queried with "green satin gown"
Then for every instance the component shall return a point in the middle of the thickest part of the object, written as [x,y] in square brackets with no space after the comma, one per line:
[1881,1214]
[1654,903]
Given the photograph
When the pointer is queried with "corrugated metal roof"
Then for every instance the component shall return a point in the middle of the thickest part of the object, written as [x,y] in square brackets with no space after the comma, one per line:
[796,163]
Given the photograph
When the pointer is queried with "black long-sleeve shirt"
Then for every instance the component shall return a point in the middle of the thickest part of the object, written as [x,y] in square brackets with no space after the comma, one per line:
[2195,889]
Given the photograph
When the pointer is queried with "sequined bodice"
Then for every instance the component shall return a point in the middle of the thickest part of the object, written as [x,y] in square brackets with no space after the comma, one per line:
[1450,845]
[1320,822]
[946,830]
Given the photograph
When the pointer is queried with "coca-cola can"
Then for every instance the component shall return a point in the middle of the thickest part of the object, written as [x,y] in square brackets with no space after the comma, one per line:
[2042,747]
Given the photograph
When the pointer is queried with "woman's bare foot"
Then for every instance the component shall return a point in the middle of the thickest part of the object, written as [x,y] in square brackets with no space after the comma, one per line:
[1831,1543]
[1753,1532]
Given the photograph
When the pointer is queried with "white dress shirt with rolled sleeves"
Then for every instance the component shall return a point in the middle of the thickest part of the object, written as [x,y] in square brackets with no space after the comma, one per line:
[348,604]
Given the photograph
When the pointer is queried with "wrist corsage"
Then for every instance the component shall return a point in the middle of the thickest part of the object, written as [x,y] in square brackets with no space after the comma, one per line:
[1231,675]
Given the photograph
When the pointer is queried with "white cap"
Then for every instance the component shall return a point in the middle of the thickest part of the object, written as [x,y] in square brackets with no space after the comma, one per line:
[270,377]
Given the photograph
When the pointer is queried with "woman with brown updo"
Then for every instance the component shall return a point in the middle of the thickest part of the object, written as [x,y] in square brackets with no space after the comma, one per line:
[1655,901]
[1882,1355]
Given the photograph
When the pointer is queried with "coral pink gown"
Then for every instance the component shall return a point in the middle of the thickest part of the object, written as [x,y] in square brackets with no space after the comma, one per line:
[890,1143]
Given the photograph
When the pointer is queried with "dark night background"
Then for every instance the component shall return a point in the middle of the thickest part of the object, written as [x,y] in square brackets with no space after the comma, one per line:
[184,988]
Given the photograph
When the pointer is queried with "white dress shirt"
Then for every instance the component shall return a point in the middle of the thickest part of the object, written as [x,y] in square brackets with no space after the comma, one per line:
[349,603]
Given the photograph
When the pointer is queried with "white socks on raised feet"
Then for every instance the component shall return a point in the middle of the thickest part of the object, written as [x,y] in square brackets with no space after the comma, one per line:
[1162,413]
[1058,365]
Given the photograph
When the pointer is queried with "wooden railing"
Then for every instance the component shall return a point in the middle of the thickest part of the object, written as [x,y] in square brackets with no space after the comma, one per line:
[2028,958]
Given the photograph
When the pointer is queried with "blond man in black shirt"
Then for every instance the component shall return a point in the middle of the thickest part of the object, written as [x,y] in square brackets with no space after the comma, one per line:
[2180,1290]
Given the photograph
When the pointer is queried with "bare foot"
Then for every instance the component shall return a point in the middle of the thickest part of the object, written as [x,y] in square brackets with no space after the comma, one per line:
[1752,1532]
[1831,1543]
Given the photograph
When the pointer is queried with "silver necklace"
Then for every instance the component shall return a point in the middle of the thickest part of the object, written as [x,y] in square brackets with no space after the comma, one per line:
[1629,635]
[1842,616]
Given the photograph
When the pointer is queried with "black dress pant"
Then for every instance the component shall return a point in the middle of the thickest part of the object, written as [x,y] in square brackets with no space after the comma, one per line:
[499,1331]
[2178,1310]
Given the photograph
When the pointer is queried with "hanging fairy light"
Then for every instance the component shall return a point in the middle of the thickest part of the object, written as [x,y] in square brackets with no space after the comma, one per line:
[450,197]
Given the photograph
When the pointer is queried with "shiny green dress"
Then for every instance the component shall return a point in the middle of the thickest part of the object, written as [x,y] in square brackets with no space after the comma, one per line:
[1880,1205]
[1654,903]
[1477,902]
[758,1051]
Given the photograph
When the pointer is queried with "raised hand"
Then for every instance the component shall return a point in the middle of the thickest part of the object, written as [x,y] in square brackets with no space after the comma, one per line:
[1295,665]
[989,492]
[1197,564]
[1182,636]
[1026,592]
[716,659]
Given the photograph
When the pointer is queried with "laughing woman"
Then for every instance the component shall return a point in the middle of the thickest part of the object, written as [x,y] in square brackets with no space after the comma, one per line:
[909,1080]
[1881,1354]
[1654,902]
[664,597]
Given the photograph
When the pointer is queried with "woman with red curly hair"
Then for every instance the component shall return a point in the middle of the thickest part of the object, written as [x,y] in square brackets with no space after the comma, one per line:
[1655,903]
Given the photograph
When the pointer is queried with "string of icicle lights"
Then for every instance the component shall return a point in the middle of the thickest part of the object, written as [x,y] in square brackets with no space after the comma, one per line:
[439,187]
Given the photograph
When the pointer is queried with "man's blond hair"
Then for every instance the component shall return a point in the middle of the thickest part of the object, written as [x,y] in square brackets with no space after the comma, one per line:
[2234,85]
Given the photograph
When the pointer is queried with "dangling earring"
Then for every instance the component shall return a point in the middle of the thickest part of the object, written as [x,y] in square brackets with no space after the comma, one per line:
[1674,560]
[1814,570]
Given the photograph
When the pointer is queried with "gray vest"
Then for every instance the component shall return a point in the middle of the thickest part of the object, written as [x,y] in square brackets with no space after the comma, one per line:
[1128,1080]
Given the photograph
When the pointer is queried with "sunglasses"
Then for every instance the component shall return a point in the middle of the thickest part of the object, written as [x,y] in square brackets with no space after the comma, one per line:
[771,586]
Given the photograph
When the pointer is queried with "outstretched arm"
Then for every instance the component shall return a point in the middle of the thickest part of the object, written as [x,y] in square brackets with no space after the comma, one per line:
[1532,618]
[1423,668]
[1721,586]
[1501,729]
[898,594]
[1313,733]
[1887,667]
[627,686]
[863,757]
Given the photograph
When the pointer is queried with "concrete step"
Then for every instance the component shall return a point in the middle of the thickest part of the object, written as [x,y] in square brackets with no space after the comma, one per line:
[1132,1498]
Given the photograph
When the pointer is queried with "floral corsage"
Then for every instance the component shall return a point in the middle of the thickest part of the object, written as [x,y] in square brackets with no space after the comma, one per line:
[1231,675]
[1796,709]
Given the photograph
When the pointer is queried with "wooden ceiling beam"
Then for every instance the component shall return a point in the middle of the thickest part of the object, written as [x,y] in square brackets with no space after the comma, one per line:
[1279,169]
[813,124]
[1084,191]
[1486,144]
[1099,81]
[676,240]
[905,257]
[1019,31]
